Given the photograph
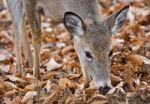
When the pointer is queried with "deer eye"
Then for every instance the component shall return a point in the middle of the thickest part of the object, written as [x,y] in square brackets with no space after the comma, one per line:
[88,55]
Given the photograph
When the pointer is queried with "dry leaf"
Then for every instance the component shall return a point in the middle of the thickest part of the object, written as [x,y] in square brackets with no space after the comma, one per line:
[4,68]
[7,100]
[73,76]
[31,79]
[135,47]
[30,102]
[97,97]
[4,55]
[2,87]
[10,85]
[90,91]
[100,102]
[65,82]
[147,3]
[16,100]
[11,93]
[50,86]
[65,36]
[29,95]
[52,65]
[51,98]
[110,92]
[115,78]
[145,60]
[45,54]
[135,59]
[67,49]
[14,78]
[69,100]
[31,87]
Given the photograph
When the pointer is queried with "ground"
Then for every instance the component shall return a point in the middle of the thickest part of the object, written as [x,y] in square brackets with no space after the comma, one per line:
[61,77]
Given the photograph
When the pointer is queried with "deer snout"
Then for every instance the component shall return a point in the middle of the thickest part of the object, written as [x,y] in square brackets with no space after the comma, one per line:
[104,90]
[103,86]
[102,83]
[100,77]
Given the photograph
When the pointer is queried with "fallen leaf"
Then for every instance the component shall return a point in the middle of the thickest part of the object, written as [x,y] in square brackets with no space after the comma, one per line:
[135,47]
[16,100]
[100,102]
[11,93]
[65,36]
[2,87]
[145,60]
[29,95]
[115,78]
[32,80]
[52,65]
[90,90]
[111,91]
[4,68]
[45,54]
[14,78]
[10,85]
[31,87]
[97,97]
[67,49]
[73,76]
[48,86]
[65,82]
[135,59]
[51,98]
[69,100]
[4,55]
[7,100]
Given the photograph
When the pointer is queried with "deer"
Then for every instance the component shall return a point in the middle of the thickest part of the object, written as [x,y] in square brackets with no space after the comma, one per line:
[91,35]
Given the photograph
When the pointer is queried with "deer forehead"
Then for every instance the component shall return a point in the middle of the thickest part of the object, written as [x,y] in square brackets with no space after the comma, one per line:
[96,30]
[101,44]
[96,35]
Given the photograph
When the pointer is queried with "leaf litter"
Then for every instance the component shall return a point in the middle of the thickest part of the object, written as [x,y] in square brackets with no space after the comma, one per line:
[61,78]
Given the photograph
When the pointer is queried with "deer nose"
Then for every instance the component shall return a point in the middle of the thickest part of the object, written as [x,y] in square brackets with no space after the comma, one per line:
[104,90]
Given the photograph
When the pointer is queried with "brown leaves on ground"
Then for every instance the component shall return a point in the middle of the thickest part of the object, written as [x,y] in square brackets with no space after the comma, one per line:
[61,77]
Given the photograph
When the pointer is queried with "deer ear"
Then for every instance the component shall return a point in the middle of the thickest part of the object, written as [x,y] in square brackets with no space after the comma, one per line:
[74,23]
[117,20]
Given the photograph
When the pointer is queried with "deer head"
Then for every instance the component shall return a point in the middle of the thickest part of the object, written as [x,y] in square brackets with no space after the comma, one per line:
[92,41]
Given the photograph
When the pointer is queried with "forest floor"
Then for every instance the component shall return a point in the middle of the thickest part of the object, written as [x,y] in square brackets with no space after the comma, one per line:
[61,77]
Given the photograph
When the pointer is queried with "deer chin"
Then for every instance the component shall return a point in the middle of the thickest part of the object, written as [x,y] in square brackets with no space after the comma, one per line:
[97,81]
[102,83]
[101,86]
